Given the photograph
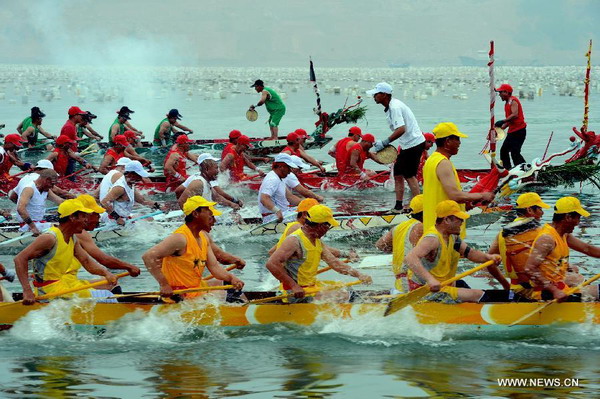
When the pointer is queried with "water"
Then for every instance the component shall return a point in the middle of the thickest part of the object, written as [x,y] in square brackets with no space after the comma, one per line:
[371,357]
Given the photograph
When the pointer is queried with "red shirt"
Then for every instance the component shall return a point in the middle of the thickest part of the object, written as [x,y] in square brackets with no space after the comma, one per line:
[5,163]
[61,161]
[519,122]
[291,151]
[341,154]
[70,130]
[362,156]
[116,155]
[226,150]
[236,170]
[179,166]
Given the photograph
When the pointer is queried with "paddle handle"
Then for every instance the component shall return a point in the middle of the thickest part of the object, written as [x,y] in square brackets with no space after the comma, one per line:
[210,276]
[72,290]
[467,273]
[22,236]
[177,292]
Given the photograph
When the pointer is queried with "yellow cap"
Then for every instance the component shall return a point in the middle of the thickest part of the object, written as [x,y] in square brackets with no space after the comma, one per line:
[196,202]
[306,204]
[568,205]
[71,206]
[449,207]
[446,129]
[416,204]
[89,202]
[322,214]
[530,199]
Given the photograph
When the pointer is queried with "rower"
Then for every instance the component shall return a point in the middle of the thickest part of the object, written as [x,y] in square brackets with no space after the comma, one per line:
[440,179]
[69,130]
[118,126]
[400,240]
[233,136]
[9,156]
[356,157]
[274,197]
[9,276]
[85,128]
[111,177]
[42,164]
[175,166]
[125,110]
[89,245]
[435,257]
[204,183]
[164,133]
[179,260]
[548,261]
[302,210]
[295,263]
[429,142]
[234,159]
[31,202]
[113,154]
[514,242]
[339,150]
[63,154]
[122,196]
[131,153]
[31,127]
[53,256]
[294,148]
[293,183]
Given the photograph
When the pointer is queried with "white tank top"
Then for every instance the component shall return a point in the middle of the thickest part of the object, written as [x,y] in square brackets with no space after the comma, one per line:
[24,182]
[206,186]
[106,184]
[124,208]
[37,204]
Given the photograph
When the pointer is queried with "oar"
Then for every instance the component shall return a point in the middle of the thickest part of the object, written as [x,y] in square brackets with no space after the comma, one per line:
[210,276]
[569,292]
[114,227]
[308,291]
[69,291]
[22,236]
[177,292]
[412,297]
[74,173]
[49,141]
[365,181]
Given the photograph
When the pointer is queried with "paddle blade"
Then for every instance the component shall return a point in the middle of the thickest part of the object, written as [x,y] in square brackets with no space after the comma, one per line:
[405,300]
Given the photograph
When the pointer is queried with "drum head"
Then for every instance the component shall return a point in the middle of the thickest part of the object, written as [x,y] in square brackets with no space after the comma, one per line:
[388,154]
[500,133]
[251,115]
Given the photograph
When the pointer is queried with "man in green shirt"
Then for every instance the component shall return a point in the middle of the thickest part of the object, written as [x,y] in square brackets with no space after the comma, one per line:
[31,127]
[165,134]
[273,103]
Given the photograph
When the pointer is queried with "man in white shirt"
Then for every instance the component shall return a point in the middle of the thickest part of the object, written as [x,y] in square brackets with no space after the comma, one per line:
[294,184]
[31,202]
[274,197]
[42,164]
[405,128]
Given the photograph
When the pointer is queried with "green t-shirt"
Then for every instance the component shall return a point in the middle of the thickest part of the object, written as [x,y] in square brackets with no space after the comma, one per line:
[274,102]
[121,130]
[27,123]
[168,133]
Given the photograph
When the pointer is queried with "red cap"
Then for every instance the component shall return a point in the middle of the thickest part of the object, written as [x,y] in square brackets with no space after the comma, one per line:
[63,140]
[505,87]
[234,134]
[292,136]
[76,111]
[355,130]
[15,139]
[130,134]
[183,139]
[244,140]
[301,133]
[429,137]
[368,137]
[121,139]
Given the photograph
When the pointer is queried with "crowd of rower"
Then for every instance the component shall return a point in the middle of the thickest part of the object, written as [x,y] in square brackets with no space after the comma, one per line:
[426,248]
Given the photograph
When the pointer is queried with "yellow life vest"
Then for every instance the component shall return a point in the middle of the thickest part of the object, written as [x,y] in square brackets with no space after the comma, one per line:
[444,266]
[304,270]
[554,267]
[514,243]
[285,233]
[57,270]
[401,245]
[433,191]
[185,271]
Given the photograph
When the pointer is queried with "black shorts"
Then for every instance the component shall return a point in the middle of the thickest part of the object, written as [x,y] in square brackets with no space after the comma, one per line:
[407,163]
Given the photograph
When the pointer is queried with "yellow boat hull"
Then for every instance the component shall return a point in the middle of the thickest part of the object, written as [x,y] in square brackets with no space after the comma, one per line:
[204,314]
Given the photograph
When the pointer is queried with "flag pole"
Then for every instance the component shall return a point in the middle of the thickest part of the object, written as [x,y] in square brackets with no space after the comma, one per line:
[492,131]
[586,92]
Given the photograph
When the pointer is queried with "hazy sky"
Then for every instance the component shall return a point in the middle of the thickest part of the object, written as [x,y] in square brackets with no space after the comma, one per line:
[284,33]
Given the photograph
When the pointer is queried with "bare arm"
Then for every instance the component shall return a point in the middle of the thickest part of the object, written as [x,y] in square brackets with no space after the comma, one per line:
[413,260]
[20,127]
[292,199]
[89,246]
[277,261]
[583,247]
[172,245]
[354,156]
[342,267]
[113,195]
[307,193]
[311,160]
[542,248]
[225,258]
[194,188]
[107,162]
[45,133]
[55,198]
[170,165]
[92,266]
[385,242]
[226,162]
[162,131]
[446,176]
[185,128]
[39,247]
[264,96]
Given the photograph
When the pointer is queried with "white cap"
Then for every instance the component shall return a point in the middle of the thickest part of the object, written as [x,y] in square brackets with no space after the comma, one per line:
[136,167]
[381,87]
[44,164]
[299,162]
[206,156]
[123,161]
[286,159]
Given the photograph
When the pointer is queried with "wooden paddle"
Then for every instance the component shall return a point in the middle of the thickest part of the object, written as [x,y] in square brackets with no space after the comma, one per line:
[569,292]
[404,300]
[177,292]
[309,291]
[69,291]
